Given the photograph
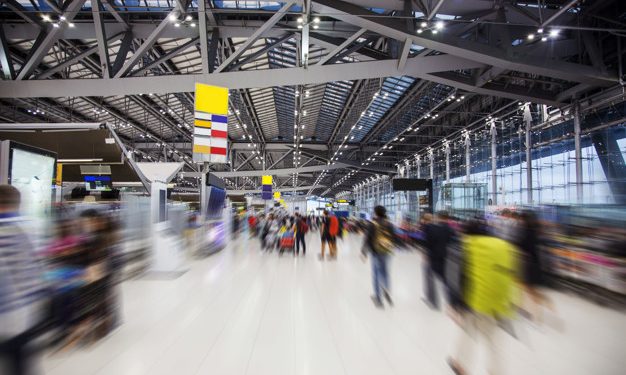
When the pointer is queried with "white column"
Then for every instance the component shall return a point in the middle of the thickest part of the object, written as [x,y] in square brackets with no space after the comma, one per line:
[494,164]
[529,162]
[432,164]
[446,149]
[418,162]
[468,169]
[578,155]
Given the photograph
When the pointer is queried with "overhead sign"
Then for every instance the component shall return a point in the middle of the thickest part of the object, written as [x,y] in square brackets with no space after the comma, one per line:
[210,131]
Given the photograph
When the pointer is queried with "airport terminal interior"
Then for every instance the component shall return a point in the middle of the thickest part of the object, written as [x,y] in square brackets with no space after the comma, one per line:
[312,187]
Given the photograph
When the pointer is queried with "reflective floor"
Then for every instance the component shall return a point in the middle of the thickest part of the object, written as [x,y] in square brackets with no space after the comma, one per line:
[246,312]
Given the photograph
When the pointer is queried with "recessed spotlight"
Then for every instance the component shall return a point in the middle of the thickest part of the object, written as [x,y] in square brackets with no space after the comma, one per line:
[62,18]
[554,33]
[531,36]
[439,25]
[173,17]
[419,31]
[56,25]
[45,17]
[188,18]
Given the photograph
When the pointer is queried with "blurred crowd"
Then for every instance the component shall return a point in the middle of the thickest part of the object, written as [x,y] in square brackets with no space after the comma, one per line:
[58,295]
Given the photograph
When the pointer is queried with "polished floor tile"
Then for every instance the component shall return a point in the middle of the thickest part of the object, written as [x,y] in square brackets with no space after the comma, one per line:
[243,311]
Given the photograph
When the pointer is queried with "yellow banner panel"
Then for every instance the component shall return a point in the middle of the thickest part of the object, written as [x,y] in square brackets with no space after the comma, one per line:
[202,123]
[211,99]
[59,174]
[201,149]
[277,195]
[266,180]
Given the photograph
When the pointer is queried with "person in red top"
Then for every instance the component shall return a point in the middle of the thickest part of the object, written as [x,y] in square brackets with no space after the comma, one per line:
[301,229]
[329,231]
[252,220]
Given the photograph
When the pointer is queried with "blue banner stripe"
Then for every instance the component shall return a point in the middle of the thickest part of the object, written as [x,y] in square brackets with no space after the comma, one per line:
[219,118]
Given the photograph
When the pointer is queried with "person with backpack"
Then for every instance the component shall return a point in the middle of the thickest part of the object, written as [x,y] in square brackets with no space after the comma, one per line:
[301,229]
[489,290]
[379,242]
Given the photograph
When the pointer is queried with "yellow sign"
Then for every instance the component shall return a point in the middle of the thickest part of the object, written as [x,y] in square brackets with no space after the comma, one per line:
[266,180]
[211,99]
[59,174]
[277,195]
[342,201]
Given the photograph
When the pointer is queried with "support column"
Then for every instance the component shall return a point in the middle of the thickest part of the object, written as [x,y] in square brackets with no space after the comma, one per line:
[447,152]
[203,197]
[494,164]
[529,161]
[418,161]
[578,155]
[432,164]
[468,168]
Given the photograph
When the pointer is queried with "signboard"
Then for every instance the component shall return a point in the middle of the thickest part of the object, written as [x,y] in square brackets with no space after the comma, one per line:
[410,184]
[210,131]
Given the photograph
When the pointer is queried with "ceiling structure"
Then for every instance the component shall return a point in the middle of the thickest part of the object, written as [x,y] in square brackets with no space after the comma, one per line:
[363,83]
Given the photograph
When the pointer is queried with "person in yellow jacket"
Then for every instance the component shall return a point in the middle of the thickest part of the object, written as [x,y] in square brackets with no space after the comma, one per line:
[490,269]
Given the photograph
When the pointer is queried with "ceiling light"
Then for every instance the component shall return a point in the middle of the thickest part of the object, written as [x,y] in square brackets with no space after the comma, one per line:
[192,24]
[188,18]
[554,33]
[419,31]
[55,25]
[540,30]
[177,24]
[300,20]
[434,31]
[173,17]
[439,25]
[71,24]
[316,20]
[543,39]
[531,36]
[423,24]
[62,18]
[45,17]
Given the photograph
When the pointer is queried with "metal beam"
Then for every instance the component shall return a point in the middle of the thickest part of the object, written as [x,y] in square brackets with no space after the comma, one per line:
[47,39]
[556,15]
[109,6]
[202,29]
[282,172]
[405,53]
[103,47]
[24,14]
[420,66]
[173,52]
[122,52]
[215,39]
[256,191]
[253,56]
[5,57]
[483,53]
[146,45]
[256,35]
[75,59]
[433,12]
[342,46]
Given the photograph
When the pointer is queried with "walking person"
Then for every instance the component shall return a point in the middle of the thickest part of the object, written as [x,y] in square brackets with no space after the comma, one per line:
[437,236]
[22,292]
[301,229]
[379,242]
[329,231]
[529,242]
[489,271]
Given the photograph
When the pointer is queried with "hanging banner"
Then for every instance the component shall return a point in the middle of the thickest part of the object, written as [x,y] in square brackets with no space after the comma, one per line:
[277,195]
[210,131]
[266,180]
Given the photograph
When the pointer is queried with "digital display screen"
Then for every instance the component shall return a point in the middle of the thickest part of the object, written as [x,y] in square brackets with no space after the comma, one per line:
[409,184]
[98,183]
[215,203]
[32,173]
